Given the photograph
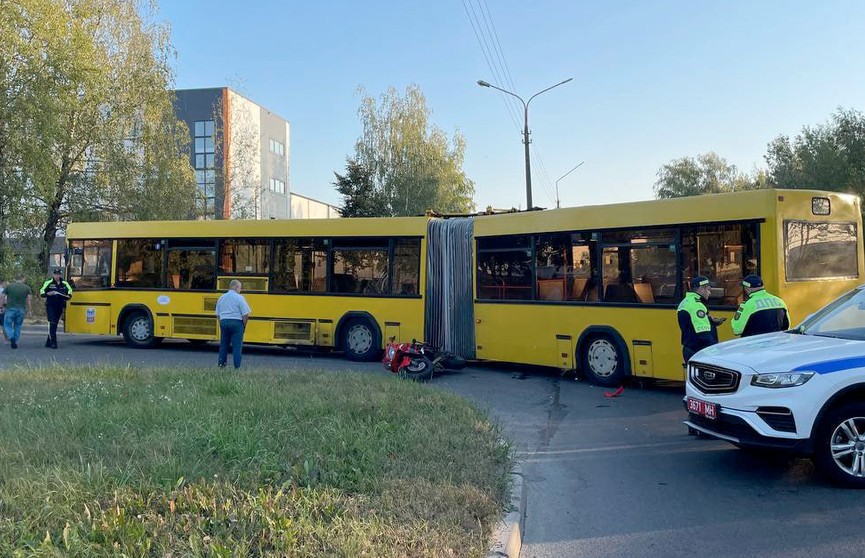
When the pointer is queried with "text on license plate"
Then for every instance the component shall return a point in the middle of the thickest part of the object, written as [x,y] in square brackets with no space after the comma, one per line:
[703,408]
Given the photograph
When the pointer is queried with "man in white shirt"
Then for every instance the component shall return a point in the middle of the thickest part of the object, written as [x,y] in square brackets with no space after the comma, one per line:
[232,311]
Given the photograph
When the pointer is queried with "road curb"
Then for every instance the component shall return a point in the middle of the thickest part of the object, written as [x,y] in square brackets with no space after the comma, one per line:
[507,535]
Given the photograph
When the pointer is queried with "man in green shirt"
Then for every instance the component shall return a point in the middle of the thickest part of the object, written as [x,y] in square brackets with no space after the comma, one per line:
[18,304]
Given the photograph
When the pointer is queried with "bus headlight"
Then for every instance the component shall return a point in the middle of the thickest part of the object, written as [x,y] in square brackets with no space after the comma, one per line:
[781,380]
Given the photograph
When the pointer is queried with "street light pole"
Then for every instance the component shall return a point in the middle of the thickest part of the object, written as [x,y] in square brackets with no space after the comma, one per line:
[483,83]
[561,177]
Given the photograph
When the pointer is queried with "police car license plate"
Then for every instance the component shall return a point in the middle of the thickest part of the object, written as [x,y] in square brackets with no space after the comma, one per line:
[703,408]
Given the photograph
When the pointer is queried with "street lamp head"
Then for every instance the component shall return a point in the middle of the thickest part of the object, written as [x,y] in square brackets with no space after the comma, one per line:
[525,103]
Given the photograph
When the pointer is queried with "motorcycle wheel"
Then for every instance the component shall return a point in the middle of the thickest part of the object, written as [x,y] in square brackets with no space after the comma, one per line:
[420,369]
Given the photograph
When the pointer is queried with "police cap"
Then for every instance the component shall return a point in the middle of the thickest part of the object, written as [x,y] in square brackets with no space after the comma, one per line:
[58,271]
[752,282]
[699,281]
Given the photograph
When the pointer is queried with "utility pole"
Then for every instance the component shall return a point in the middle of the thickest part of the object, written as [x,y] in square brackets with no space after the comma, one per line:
[526,142]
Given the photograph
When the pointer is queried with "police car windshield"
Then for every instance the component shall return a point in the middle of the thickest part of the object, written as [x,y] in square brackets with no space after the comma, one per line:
[844,318]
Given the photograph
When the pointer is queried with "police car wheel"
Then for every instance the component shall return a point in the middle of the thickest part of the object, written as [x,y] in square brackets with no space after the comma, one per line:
[839,449]
[602,362]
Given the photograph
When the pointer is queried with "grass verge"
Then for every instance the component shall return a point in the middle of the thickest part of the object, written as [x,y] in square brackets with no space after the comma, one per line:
[117,461]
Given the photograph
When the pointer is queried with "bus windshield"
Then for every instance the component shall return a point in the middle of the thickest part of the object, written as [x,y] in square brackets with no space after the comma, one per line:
[820,250]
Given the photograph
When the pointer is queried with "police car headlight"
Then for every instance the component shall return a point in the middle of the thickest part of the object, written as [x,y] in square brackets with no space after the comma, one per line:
[782,380]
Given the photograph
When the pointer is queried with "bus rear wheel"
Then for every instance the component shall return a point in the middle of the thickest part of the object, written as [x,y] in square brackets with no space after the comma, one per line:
[360,340]
[138,331]
[602,361]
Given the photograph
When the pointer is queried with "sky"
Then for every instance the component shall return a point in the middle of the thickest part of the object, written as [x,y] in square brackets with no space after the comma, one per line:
[652,81]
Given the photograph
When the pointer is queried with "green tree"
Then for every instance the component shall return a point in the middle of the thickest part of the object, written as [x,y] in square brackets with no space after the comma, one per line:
[828,156]
[19,78]
[360,198]
[709,173]
[412,164]
[94,135]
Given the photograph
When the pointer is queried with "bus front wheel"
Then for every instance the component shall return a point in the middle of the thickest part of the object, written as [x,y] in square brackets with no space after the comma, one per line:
[602,362]
[138,331]
[360,340]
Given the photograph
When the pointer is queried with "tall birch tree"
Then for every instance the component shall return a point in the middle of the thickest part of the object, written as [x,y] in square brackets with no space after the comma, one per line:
[412,164]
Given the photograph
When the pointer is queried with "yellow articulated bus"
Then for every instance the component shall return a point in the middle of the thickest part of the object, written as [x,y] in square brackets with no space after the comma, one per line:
[587,288]
[596,288]
[348,283]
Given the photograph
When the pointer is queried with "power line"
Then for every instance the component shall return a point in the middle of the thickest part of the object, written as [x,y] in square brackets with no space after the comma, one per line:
[545,183]
[497,63]
[500,53]
[482,42]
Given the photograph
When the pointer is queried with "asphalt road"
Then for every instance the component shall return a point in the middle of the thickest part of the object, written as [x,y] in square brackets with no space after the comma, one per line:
[604,477]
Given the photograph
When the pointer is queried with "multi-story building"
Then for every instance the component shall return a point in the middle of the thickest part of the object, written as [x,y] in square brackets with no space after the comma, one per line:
[239,153]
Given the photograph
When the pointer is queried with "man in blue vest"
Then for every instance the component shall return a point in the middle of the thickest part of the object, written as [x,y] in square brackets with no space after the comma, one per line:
[699,329]
[761,312]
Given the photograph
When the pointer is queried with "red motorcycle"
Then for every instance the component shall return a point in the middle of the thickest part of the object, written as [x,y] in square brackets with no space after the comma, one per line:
[418,361]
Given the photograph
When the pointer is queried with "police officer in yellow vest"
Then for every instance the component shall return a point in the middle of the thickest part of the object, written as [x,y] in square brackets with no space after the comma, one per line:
[56,292]
[761,312]
[699,329]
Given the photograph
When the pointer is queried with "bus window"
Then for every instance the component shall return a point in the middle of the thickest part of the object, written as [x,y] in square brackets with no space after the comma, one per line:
[244,256]
[192,264]
[505,268]
[139,263]
[299,265]
[583,285]
[725,253]
[641,267]
[287,265]
[314,266]
[360,266]
[564,267]
[654,272]
[90,265]
[406,266]
[618,284]
[552,265]
[820,250]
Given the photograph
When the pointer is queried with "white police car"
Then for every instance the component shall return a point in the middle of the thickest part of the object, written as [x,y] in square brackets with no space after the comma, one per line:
[801,391]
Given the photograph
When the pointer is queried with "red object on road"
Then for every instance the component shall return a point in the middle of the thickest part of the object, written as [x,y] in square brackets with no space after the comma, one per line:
[616,393]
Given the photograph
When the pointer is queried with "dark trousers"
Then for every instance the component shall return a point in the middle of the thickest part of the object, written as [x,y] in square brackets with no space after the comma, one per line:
[54,313]
[230,333]
[687,353]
